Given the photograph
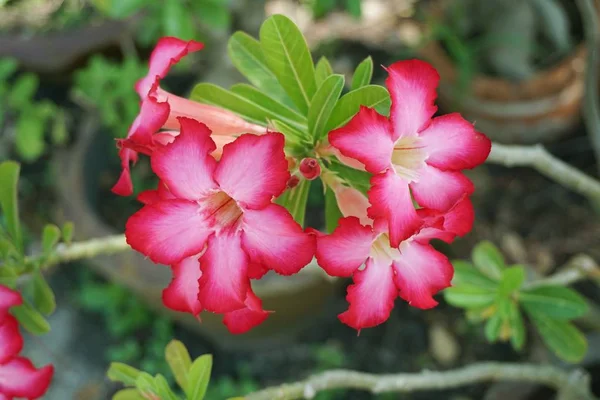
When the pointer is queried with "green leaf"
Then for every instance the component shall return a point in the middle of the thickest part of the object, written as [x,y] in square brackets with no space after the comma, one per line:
[127,394]
[123,373]
[354,8]
[566,341]
[322,71]
[466,274]
[214,13]
[50,237]
[59,132]
[295,199]
[357,179]
[492,328]
[247,56]
[146,386]
[29,139]
[320,8]
[43,296]
[179,360]
[363,74]
[8,66]
[517,326]
[9,179]
[554,301]
[332,211]
[67,232]
[22,91]
[323,104]
[369,96]
[294,137]
[30,319]
[467,296]
[488,259]
[177,20]
[199,377]
[287,55]
[162,387]
[275,108]
[512,279]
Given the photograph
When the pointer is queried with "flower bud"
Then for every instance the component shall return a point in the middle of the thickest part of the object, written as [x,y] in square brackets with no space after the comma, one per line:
[293,182]
[310,168]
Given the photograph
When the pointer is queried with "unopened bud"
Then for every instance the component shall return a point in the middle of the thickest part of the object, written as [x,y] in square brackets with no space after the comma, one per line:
[293,181]
[310,168]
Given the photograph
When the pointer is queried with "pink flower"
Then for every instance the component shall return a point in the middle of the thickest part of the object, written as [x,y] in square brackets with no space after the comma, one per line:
[414,270]
[160,109]
[215,223]
[18,376]
[410,152]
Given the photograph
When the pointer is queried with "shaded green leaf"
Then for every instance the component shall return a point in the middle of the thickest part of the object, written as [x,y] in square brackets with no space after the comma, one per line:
[295,199]
[294,137]
[517,326]
[123,373]
[354,8]
[467,296]
[564,339]
[247,56]
[127,394]
[363,74]
[512,279]
[287,55]
[466,274]
[322,70]
[554,301]
[492,328]
[22,91]
[332,211]
[9,179]
[43,296]
[323,104]
[8,66]
[488,259]
[29,138]
[357,179]
[30,319]
[50,237]
[179,361]
[199,377]
[369,96]
[177,20]
[67,232]
[59,132]
[213,13]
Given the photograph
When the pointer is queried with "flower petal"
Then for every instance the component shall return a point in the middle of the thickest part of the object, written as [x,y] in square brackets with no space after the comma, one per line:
[253,169]
[453,143]
[224,281]
[412,85]
[242,320]
[366,138]
[390,199]
[185,166]
[8,298]
[152,116]
[273,239]
[352,202]
[19,378]
[346,249]
[124,186]
[439,189]
[168,231]
[10,338]
[168,52]
[420,272]
[182,292]
[372,295]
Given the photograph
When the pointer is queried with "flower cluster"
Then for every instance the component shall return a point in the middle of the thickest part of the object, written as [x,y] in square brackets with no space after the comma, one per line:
[213,220]
[18,376]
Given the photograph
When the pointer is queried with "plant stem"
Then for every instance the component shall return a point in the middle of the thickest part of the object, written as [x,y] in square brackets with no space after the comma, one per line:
[591,108]
[570,384]
[576,269]
[538,158]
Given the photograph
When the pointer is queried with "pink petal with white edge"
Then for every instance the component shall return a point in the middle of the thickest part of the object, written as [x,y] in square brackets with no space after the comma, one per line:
[186,166]
[412,85]
[438,189]
[8,298]
[168,231]
[273,239]
[244,319]
[366,138]
[182,292]
[453,143]
[390,200]
[372,295]
[346,249]
[10,338]
[168,52]
[19,378]
[224,281]
[253,169]
[421,271]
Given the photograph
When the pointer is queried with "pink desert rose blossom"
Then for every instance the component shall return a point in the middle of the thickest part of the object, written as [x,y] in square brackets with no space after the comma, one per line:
[215,223]
[18,376]
[411,152]
[160,109]
[414,270]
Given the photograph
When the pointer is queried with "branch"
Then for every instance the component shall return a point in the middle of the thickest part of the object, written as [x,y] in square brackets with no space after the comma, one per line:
[576,269]
[591,108]
[570,384]
[538,158]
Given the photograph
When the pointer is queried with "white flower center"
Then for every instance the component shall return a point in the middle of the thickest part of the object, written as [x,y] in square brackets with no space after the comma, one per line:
[408,157]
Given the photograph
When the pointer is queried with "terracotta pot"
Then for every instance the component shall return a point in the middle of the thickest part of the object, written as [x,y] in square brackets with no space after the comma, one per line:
[296,300]
[541,109]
